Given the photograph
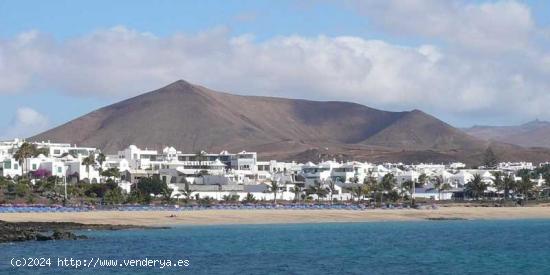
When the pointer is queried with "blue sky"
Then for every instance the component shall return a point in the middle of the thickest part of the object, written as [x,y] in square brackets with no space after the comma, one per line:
[384,54]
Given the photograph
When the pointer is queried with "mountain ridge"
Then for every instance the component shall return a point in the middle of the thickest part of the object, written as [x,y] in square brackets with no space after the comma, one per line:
[534,133]
[194,118]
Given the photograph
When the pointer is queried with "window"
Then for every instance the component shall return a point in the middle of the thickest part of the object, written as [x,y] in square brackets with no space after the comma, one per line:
[15,166]
[7,165]
[56,152]
[59,170]
[34,166]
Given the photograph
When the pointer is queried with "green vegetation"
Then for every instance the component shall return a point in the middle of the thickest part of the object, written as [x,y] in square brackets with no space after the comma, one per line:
[25,151]
[274,189]
[490,160]
[249,198]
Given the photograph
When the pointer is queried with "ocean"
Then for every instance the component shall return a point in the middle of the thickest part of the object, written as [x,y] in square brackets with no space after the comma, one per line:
[422,247]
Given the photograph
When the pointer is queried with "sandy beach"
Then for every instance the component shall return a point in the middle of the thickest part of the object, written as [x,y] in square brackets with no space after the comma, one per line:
[215,217]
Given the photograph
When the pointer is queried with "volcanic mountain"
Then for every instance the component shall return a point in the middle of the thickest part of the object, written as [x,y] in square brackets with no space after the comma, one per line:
[193,118]
[531,134]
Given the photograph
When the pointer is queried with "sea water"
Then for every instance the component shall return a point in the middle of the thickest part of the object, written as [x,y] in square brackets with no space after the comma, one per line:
[423,247]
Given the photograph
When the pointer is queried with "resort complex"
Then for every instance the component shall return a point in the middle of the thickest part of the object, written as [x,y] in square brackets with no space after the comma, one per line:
[241,176]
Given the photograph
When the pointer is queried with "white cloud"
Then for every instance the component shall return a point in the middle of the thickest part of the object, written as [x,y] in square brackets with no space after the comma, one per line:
[490,27]
[26,123]
[489,68]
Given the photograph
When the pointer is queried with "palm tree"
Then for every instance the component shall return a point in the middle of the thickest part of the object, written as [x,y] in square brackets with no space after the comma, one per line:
[406,188]
[25,151]
[413,191]
[422,180]
[508,184]
[101,159]
[318,189]
[476,186]
[440,185]
[525,186]
[177,195]
[87,161]
[249,198]
[166,193]
[370,185]
[546,177]
[444,188]
[332,188]
[297,190]
[490,159]
[499,181]
[186,192]
[387,184]
[274,189]
[358,192]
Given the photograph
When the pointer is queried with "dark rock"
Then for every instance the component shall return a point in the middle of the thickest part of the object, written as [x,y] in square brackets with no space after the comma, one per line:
[29,231]
[446,219]
[63,235]
[40,237]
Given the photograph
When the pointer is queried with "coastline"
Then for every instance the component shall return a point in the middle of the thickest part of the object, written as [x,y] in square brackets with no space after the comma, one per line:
[276,216]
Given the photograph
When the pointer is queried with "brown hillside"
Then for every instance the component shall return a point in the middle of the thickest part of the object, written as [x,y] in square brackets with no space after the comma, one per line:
[194,118]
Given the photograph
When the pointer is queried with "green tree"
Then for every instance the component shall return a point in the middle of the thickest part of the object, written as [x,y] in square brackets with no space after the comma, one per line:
[370,185]
[331,187]
[524,173]
[476,187]
[422,179]
[150,185]
[318,189]
[22,189]
[42,151]
[509,185]
[297,190]
[97,190]
[546,177]
[101,158]
[186,192]
[489,158]
[358,192]
[249,198]
[387,184]
[114,196]
[231,198]
[89,161]
[274,187]
[25,151]
[166,194]
[440,185]
[525,187]
[406,189]
[498,182]
[111,173]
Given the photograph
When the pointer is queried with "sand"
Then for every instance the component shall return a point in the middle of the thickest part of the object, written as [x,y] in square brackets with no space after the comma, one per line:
[216,217]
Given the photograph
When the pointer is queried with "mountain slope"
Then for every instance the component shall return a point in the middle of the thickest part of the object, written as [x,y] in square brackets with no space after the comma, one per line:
[194,118]
[417,130]
[532,134]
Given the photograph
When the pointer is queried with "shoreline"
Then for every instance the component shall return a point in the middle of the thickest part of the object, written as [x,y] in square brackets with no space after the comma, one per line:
[277,216]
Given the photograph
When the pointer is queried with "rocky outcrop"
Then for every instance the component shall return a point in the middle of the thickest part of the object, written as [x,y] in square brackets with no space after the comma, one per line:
[48,231]
[60,235]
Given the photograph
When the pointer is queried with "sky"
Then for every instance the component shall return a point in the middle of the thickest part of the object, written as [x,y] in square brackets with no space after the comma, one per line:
[465,62]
